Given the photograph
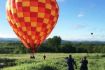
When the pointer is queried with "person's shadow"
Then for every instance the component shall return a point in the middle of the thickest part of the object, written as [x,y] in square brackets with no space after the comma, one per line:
[48,68]
[5,62]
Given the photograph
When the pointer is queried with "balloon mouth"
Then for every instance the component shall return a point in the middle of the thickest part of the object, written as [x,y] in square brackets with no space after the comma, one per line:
[34,48]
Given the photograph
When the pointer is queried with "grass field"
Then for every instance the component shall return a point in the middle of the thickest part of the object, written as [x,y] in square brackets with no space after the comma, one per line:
[54,61]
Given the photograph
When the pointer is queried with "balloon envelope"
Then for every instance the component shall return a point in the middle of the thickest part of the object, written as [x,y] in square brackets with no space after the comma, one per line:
[32,20]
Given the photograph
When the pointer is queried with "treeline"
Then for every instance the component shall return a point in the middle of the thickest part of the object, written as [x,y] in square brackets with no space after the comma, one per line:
[55,44]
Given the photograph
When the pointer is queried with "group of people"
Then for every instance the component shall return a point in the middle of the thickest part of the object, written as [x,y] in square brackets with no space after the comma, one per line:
[71,63]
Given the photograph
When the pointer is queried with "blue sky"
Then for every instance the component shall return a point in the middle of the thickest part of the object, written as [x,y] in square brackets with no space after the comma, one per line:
[77,20]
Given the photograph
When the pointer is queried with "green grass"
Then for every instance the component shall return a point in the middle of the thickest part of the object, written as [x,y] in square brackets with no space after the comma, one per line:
[54,61]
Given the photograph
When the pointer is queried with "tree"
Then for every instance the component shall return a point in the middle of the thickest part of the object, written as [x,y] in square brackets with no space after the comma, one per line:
[54,42]
[46,48]
[68,48]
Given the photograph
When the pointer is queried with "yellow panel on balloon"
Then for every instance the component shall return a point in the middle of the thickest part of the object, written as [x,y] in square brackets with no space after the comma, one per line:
[38,29]
[20,14]
[42,1]
[46,20]
[49,26]
[18,24]
[48,6]
[49,30]
[18,0]
[53,13]
[33,37]
[13,10]
[41,15]
[24,29]
[33,24]
[41,33]
[26,3]
[27,19]
[35,41]
[33,9]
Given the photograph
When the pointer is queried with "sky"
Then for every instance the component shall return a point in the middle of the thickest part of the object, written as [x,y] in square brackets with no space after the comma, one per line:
[77,20]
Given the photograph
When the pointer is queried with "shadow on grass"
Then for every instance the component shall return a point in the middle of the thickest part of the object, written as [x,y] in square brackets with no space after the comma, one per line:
[48,68]
[5,62]
[103,55]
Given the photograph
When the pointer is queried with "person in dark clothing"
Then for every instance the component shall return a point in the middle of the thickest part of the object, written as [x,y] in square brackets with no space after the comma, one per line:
[84,64]
[44,57]
[71,63]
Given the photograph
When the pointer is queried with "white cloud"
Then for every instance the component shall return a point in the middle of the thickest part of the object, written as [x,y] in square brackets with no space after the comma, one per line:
[81,14]
[79,26]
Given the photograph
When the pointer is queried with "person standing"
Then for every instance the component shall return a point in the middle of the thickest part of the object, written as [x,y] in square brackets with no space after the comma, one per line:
[84,64]
[71,63]
[44,57]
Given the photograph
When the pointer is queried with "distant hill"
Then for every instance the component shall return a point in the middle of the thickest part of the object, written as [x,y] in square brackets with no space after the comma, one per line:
[9,40]
[85,42]
[63,41]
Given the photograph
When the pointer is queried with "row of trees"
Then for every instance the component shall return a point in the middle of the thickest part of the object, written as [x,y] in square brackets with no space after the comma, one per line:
[55,44]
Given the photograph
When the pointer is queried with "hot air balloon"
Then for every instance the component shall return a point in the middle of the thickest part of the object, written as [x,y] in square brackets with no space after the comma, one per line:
[32,20]
[91,33]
